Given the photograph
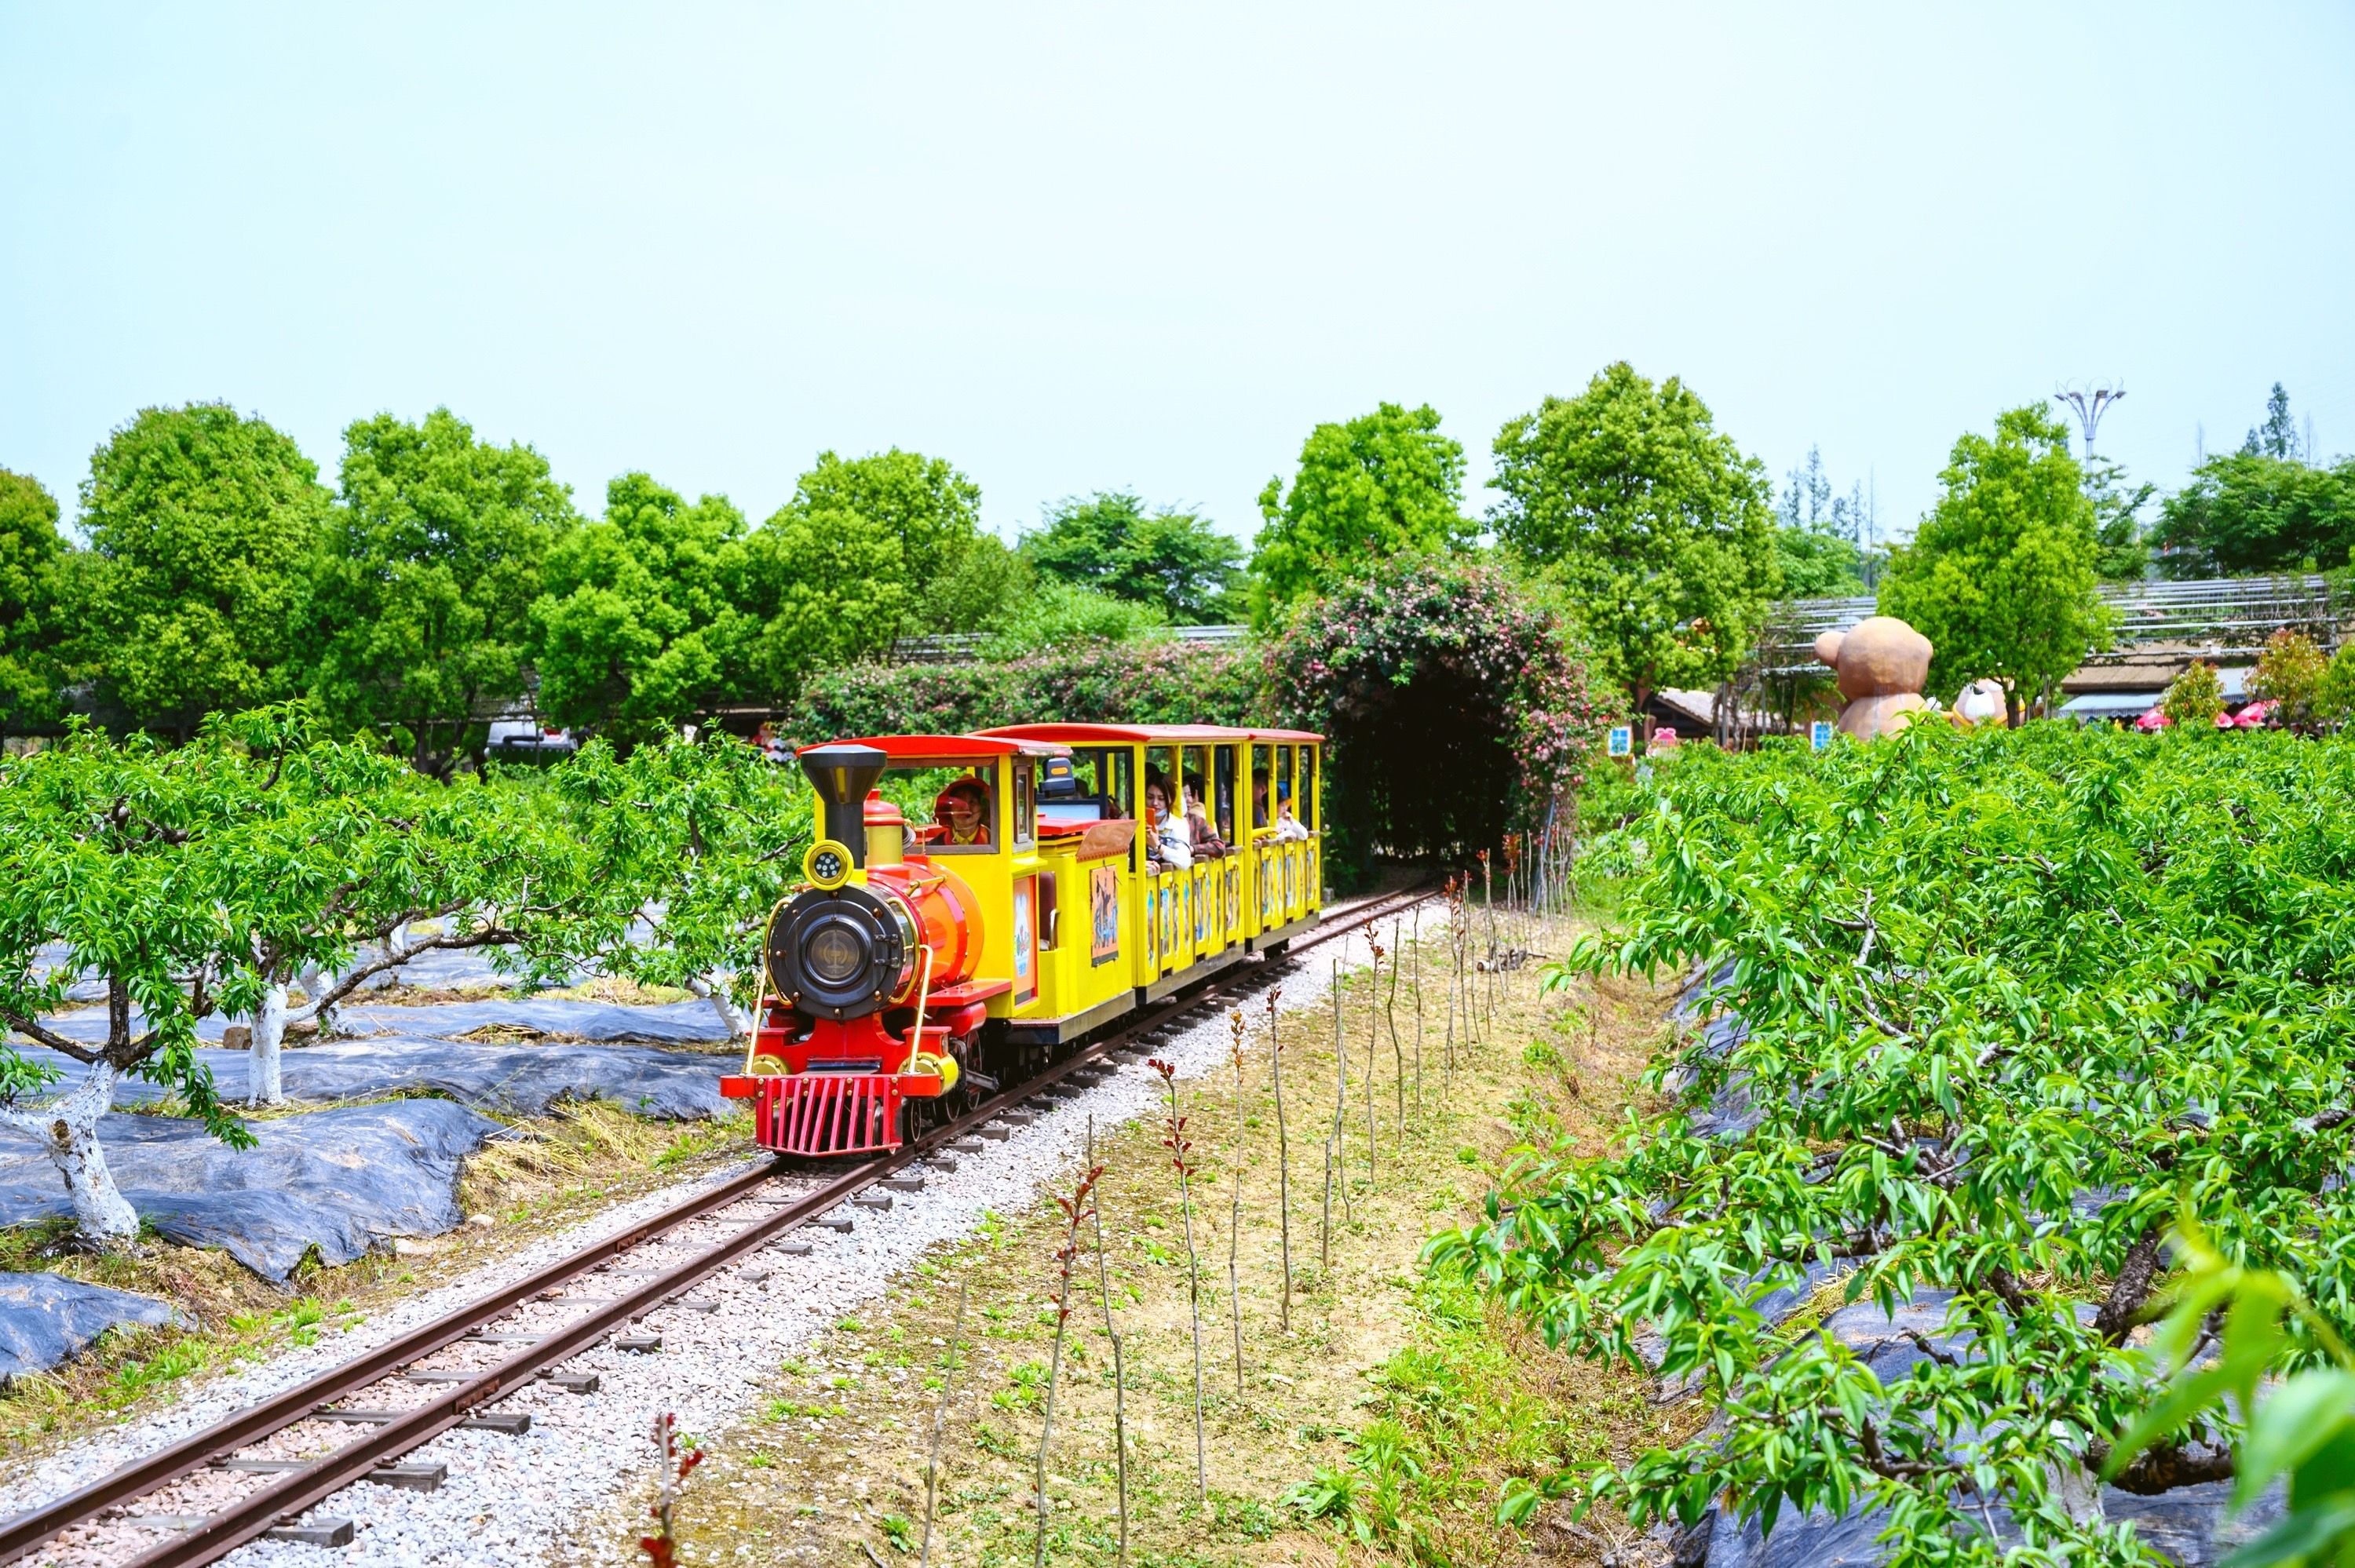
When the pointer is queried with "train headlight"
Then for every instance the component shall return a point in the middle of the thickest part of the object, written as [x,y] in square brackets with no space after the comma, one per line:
[840,952]
[834,954]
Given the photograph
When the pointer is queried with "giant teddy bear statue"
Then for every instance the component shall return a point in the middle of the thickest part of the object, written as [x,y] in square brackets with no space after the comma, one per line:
[1882,663]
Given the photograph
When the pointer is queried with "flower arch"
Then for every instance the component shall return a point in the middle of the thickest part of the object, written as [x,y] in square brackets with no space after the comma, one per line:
[1457,709]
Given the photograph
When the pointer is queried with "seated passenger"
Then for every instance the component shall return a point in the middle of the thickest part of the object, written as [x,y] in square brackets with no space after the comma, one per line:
[1167,840]
[1259,801]
[1205,840]
[963,808]
[1288,827]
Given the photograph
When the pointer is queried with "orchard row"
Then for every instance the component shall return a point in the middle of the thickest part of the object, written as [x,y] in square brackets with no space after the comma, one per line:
[2002,1033]
[263,859]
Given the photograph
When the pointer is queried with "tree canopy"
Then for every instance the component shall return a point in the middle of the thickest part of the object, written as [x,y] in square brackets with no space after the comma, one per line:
[1176,561]
[2257,512]
[1820,538]
[826,589]
[1657,525]
[640,624]
[424,578]
[934,512]
[2002,575]
[190,597]
[32,557]
[1383,484]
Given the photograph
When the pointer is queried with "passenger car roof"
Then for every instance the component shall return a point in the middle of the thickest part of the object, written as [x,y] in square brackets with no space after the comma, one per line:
[923,748]
[1070,735]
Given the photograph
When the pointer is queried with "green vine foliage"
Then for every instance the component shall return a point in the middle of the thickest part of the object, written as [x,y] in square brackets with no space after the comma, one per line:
[1456,704]
[1995,1007]
[1097,683]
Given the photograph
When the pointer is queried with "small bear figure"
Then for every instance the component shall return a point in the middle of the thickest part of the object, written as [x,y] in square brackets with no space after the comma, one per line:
[1882,663]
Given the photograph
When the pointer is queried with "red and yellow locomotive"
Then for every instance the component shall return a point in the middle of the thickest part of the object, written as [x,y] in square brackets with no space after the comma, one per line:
[923,966]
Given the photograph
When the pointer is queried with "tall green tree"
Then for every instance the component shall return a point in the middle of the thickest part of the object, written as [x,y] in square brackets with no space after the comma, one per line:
[1814,563]
[32,558]
[640,624]
[828,588]
[953,566]
[423,586]
[2277,437]
[1820,537]
[190,597]
[2255,511]
[1383,484]
[2117,520]
[1656,525]
[980,588]
[1174,560]
[2001,575]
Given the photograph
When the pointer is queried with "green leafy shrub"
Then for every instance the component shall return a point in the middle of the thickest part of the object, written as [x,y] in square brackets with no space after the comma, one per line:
[2012,999]
[2194,698]
[1130,682]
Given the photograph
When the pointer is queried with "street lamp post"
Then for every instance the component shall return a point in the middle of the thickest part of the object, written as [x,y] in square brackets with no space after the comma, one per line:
[2091,403]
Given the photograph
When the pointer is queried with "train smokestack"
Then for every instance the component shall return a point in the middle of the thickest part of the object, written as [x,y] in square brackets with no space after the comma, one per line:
[842,775]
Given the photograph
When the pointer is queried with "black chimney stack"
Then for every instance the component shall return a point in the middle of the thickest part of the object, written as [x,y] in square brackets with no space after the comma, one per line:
[842,775]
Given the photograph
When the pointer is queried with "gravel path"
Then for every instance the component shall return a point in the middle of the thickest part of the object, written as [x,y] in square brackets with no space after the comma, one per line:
[575,1477]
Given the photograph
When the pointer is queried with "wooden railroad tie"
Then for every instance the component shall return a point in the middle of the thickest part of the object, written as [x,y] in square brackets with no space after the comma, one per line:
[412,1478]
[323,1532]
[514,1422]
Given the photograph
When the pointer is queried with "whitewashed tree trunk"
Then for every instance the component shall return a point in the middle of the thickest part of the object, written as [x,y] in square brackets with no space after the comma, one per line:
[68,1132]
[713,988]
[269,1036]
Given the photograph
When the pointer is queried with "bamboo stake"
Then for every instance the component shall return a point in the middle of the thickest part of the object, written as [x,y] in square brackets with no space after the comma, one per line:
[1373,1043]
[1177,1145]
[948,1380]
[1417,988]
[1119,1370]
[1235,1208]
[1283,1156]
[1451,981]
[1398,1051]
[1073,1207]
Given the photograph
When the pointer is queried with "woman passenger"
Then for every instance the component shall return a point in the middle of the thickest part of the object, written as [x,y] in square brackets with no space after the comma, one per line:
[1167,840]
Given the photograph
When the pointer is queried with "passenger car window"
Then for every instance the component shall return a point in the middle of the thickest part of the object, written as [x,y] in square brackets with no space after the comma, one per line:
[1222,767]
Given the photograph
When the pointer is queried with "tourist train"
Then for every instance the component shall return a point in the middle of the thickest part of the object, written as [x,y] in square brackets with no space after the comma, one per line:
[977,905]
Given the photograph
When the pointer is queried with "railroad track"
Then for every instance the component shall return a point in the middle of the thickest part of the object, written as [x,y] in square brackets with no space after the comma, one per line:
[275,1493]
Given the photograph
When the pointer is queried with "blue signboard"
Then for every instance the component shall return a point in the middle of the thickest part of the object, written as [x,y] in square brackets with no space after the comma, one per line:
[1819,734]
[1623,740]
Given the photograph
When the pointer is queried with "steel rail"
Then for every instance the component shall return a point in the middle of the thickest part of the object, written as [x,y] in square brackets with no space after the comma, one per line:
[294,1494]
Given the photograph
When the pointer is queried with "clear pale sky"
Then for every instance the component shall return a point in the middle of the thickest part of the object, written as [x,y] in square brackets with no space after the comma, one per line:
[1149,246]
